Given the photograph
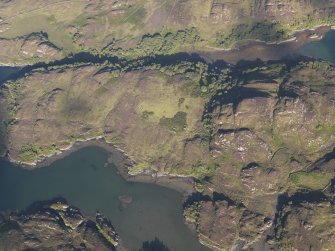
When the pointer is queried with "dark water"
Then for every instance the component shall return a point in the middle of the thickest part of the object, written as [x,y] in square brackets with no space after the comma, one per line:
[6,72]
[85,182]
[323,49]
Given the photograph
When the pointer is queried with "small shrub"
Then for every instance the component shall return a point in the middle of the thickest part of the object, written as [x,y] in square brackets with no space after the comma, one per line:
[176,124]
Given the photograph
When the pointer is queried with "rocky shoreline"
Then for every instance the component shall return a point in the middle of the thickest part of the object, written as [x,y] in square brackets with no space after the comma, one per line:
[121,161]
[56,224]
[258,49]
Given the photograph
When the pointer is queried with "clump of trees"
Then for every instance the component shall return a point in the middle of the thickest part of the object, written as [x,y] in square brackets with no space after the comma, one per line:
[265,31]
[159,43]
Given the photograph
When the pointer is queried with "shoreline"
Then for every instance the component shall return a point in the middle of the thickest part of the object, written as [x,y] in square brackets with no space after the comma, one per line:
[119,160]
[258,49]
[124,162]
[293,38]
[298,36]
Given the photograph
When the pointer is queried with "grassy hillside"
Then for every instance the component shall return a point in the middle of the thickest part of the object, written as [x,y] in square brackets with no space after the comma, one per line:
[252,136]
[136,28]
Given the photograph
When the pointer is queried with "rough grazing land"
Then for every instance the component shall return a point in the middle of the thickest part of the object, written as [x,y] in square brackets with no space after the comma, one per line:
[257,137]
[133,28]
[245,133]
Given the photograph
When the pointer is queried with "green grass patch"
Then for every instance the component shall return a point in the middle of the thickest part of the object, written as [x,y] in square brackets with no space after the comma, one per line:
[193,89]
[327,129]
[192,213]
[80,20]
[101,90]
[111,81]
[106,236]
[177,123]
[278,143]
[139,168]
[147,114]
[201,170]
[29,153]
[265,31]
[308,23]
[313,180]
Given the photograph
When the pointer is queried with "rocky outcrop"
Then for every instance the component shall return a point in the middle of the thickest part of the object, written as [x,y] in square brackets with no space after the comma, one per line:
[305,221]
[273,10]
[28,49]
[276,136]
[54,225]
[222,223]
[279,128]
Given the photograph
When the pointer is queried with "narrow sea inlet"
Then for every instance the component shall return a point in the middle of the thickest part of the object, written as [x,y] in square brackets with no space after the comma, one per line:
[138,211]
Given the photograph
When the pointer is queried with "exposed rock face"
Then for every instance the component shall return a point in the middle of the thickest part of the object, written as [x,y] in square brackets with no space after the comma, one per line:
[282,10]
[270,136]
[28,50]
[3,25]
[274,9]
[220,11]
[55,226]
[306,222]
[241,143]
[222,224]
[113,7]
[281,125]
[303,221]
